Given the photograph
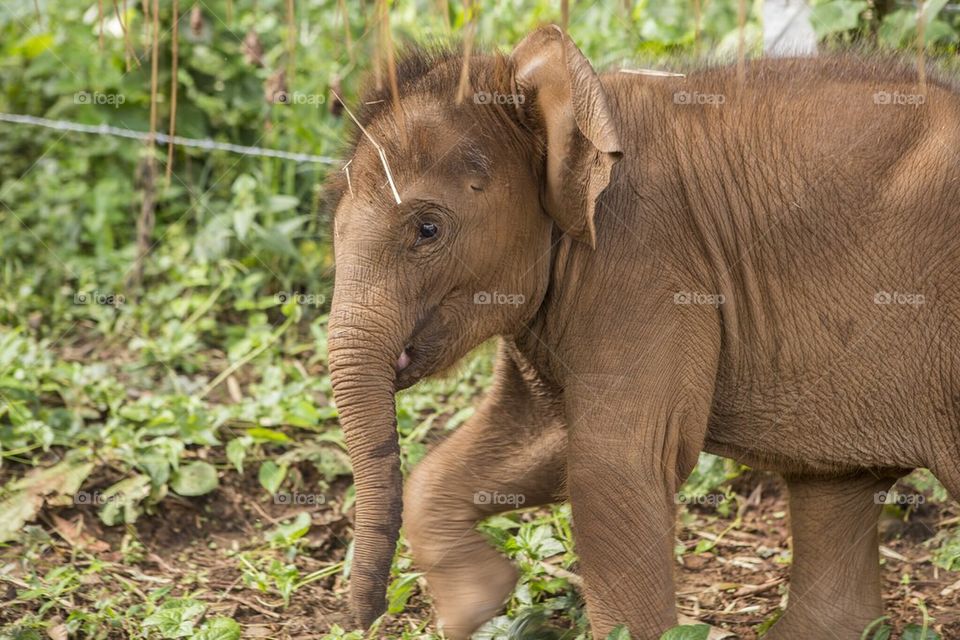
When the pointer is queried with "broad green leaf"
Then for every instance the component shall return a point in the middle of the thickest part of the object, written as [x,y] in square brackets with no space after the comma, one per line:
[195,479]
[287,534]
[271,475]
[399,592]
[687,632]
[121,502]
[835,16]
[237,452]
[176,618]
[916,632]
[219,628]
[619,633]
[15,511]
[267,435]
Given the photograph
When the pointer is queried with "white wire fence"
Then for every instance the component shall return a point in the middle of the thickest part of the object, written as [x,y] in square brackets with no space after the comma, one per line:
[162,138]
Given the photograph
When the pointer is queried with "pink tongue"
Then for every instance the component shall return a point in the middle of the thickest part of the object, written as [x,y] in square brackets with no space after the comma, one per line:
[403,361]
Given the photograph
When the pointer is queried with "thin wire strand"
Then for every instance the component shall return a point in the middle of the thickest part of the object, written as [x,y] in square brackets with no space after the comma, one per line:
[162,138]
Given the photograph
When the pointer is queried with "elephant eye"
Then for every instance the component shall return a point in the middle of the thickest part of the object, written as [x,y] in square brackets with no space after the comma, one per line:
[426,231]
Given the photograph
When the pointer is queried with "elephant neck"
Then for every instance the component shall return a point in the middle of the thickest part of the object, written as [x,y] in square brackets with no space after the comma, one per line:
[538,342]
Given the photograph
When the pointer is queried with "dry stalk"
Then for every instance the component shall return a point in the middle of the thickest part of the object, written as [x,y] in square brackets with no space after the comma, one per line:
[657,73]
[742,41]
[387,42]
[445,10]
[922,45]
[172,129]
[100,23]
[377,64]
[129,55]
[697,17]
[291,43]
[147,209]
[469,33]
[342,8]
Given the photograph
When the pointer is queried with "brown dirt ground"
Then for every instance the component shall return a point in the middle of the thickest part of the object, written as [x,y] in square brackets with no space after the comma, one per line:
[736,585]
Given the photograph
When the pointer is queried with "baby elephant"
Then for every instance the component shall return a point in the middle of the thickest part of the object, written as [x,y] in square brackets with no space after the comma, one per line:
[764,265]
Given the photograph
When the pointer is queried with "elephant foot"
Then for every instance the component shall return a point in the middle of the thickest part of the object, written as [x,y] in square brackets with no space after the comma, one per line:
[795,628]
[465,600]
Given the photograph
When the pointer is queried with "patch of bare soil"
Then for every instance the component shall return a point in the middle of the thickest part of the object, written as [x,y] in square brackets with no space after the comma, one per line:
[742,580]
[737,580]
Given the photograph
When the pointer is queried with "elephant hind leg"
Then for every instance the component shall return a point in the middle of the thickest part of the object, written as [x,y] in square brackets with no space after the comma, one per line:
[510,454]
[835,575]
[947,471]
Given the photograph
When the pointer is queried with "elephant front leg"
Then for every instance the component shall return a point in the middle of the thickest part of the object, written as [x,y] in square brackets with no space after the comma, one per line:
[835,574]
[510,454]
[630,450]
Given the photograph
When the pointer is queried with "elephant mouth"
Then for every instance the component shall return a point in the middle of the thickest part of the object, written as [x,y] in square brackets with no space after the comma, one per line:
[415,361]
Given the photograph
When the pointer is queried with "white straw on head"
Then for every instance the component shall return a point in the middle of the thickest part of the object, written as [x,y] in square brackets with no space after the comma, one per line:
[376,145]
[654,72]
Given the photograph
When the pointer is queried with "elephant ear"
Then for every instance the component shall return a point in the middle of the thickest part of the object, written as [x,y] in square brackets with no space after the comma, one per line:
[564,102]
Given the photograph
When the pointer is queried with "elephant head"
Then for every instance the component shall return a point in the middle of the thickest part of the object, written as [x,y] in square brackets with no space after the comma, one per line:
[461,251]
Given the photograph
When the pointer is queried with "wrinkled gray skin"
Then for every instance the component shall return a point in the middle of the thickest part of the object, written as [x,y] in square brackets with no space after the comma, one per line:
[773,277]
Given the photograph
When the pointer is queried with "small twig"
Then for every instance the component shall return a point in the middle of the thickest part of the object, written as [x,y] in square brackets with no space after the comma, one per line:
[563,574]
[256,607]
[755,589]
[376,145]
[226,373]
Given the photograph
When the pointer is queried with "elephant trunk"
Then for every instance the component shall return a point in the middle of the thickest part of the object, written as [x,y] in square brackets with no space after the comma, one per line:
[362,353]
